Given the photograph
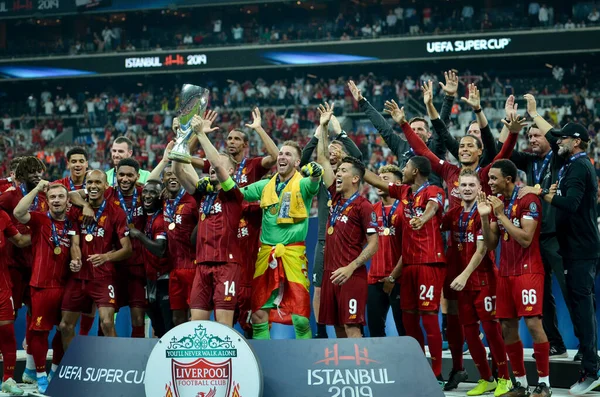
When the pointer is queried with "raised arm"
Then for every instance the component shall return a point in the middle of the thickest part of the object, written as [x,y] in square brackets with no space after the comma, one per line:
[443,137]
[187,176]
[272,151]
[396,144]
[323,146]
[540,122]
[212,155]
[21,211]
[309,149]
[162,164]
[450,89]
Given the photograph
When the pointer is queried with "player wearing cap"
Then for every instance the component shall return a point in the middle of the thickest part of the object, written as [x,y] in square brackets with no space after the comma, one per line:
[384,273]
[122,148]
[520,285]
[55,242]
[574,197]
[95,283]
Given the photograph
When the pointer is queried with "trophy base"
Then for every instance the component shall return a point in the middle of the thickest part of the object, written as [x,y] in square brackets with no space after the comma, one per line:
[180,157]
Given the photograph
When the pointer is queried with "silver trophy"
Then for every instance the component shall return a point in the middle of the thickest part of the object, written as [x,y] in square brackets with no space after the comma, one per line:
[194,100]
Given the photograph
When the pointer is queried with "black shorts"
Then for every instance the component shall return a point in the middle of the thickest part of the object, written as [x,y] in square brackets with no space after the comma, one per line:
[318,264]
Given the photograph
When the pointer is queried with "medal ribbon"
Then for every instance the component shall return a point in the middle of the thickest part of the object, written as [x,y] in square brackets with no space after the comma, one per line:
[238,173]
[280,186]
[462,225]
[537,175]
[33,206]
[339,209]
[66,226]
[148,228]
[508,211]
[128,211]
[563,169]
[72,185]
[92,228]
[411,202]
[171,206]
[387,219]
[209,201]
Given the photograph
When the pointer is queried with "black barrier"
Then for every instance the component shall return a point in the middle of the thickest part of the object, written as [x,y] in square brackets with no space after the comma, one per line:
[368,367]
[404,49]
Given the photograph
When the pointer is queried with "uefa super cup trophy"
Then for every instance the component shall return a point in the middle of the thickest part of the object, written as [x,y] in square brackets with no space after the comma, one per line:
[194,100]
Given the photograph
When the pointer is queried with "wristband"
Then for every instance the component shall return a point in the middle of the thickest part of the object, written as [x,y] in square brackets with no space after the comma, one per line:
[477,110]
[391,279]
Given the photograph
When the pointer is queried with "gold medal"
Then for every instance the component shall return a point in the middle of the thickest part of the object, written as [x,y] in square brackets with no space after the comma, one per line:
[57,251]
[386,231]
[505,236]
[89,237]
[203,216]
[273,210]
[460,247]
[330,230]
[131,226]
[537,186]
[172,226]
[329,202]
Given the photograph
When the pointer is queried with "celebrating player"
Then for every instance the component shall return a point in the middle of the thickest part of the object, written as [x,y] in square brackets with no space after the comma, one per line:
[77,163]
[11,181]
[53,237]
[154,242]
[520,288]
[476,285]
[352,223]
[95,284]
[384,289]
[423,258]
[122,148]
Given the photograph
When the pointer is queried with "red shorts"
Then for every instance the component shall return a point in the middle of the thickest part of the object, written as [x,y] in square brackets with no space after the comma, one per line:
[244,307]
[519,296]
[452,272]
[421,287]
[7,307]
[346,303]
[131,286]
[45,308]
[180,288]
[215,286]
[477,305]
[20,277]
[80,295]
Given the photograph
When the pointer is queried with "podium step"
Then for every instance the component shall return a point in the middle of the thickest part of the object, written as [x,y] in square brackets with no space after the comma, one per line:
[463,388]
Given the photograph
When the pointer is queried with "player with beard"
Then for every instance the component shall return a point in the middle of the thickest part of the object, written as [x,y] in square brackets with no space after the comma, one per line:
[470,152]
[55,242]
[180,211]
[154,242]
[384,286]
[8,341]
[11,181]
[520,284]
[95,284]
[352,225]
[339,148]
[77,163]
[122,148]
[131,276]
[476,286]
[217,253]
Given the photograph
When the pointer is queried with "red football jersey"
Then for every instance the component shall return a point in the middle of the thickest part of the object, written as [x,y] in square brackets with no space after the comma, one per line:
[111,227]
[182,252]
[514,259]
[6,183]
[422,246]
[8,202]
[138,220]
[485,274]
[250,172]
[155,229]
[66,182]
[390,246]
[50,270]
[350,231]
[249,241]
[7,230]
[450,172]
[217,231]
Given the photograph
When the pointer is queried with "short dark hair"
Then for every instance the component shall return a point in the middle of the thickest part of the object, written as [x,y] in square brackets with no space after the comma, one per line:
[155,181]
[12,166]
[507,168]
[392,169]
[357,166]
[341,144]
[123,139]
[295,145]
[77,150]
[28,165]
[244,135]
[131,162]
[419,118]
[477,140]
[422,164]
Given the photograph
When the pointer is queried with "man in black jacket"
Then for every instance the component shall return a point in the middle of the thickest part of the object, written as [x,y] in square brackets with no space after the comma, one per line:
[339,148]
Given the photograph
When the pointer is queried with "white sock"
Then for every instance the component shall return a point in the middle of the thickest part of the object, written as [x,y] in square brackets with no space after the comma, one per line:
[522,380]
[30,364]
[54,367]
[41,374]
[544,379]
